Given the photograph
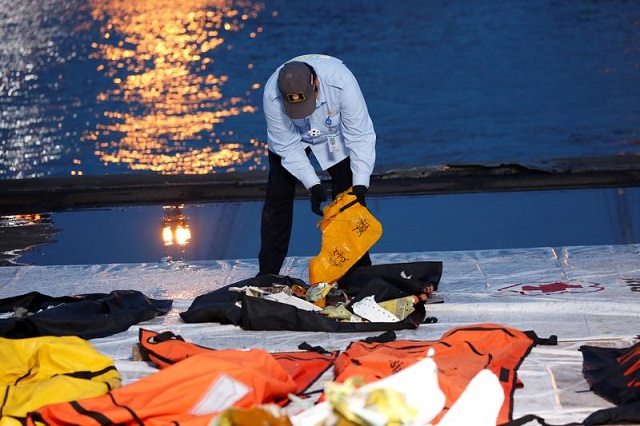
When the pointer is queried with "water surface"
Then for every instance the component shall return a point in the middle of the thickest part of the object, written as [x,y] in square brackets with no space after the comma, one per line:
[410,224]
[174,86]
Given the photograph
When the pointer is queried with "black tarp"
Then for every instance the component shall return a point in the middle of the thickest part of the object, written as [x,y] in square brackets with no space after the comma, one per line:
[87,315]
[614,374]
[385,282]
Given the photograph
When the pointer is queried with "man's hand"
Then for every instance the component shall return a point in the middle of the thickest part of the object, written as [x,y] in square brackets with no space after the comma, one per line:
[318,196]
[360,191]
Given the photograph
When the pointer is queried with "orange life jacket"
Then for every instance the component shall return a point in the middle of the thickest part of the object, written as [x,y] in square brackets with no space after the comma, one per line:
[304,367]
[460,354]
[190,392]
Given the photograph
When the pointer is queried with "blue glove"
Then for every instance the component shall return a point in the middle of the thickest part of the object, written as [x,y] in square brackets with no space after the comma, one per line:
[318,196]
[360,191]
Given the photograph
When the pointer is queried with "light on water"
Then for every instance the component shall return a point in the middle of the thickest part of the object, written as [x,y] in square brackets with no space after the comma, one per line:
[101,87]
[166,99]
[175,229]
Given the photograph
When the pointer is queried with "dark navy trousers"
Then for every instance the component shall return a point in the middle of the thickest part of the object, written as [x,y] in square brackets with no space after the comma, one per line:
[277,213]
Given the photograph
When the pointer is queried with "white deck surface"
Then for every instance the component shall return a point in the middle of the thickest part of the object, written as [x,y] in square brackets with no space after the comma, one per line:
[584,295]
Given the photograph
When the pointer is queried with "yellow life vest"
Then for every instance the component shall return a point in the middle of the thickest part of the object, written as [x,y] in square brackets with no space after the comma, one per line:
[348,231]
[38,371]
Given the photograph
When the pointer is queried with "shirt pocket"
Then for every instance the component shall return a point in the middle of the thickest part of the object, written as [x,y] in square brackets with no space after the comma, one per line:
[331,123]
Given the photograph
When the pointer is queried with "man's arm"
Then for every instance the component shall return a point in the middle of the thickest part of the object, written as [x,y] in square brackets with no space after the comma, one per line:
[285,140]
[358,131]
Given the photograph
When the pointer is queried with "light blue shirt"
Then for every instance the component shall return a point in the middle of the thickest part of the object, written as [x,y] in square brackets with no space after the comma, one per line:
[341,111]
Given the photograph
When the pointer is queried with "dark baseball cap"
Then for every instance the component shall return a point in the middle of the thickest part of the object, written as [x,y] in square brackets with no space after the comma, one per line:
[296,83]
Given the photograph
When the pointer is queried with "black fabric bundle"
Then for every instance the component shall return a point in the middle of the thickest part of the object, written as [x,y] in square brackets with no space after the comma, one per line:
[384,282]
[87,315]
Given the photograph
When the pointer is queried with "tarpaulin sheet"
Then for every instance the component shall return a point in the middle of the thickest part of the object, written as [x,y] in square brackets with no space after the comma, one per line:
[584,295]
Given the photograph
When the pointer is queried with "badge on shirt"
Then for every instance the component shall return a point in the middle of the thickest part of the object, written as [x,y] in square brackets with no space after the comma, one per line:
[332,140]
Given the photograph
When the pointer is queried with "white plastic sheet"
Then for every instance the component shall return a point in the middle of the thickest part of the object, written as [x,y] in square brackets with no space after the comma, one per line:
[584,295]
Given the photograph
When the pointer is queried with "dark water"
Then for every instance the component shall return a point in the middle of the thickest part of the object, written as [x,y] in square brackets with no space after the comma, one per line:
[410,224]
[99,87]
[94,87]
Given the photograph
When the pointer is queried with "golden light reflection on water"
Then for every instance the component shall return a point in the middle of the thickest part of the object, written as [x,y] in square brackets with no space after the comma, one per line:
[28,219]
[175,229]
[157,54]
